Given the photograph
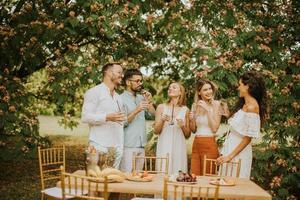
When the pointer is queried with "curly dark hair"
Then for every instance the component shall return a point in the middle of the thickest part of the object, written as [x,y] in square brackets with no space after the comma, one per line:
[257,89]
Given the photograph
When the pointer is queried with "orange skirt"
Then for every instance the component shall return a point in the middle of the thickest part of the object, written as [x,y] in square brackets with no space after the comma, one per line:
[203,146]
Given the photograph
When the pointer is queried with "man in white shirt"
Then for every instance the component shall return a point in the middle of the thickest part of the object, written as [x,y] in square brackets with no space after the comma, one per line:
[103,110]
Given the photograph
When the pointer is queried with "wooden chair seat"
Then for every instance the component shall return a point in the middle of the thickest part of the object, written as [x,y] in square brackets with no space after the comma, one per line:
[50,160]
[55,192]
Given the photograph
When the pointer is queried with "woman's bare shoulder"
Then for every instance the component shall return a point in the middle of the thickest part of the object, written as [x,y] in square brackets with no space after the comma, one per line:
[251,108]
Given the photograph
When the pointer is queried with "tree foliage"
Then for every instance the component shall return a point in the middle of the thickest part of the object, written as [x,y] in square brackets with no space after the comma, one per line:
[70,41]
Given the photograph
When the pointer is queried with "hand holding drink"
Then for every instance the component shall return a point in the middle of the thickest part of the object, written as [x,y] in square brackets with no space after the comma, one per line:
[147,96]
[143,105]
[165,118]
[116,117]
[192,113]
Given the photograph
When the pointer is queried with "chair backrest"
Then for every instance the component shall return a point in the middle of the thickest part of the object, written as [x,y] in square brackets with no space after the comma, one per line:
[83,187]
[152,164]
[50,160]
[210,168]
[175,190]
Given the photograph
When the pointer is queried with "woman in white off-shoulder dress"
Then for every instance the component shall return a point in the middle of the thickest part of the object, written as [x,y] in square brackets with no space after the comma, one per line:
[172,127]
[245,123]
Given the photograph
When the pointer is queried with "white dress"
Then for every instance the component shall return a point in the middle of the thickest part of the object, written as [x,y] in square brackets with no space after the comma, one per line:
[242,124]
[172,141]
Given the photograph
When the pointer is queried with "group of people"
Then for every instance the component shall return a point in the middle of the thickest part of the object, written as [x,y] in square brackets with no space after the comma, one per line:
[119,120]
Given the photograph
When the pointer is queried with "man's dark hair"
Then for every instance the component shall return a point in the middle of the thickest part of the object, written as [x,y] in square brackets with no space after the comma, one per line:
[131,72]
[108,66]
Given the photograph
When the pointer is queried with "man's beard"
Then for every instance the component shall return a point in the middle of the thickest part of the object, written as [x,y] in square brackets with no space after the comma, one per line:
[138,89]
[114,79]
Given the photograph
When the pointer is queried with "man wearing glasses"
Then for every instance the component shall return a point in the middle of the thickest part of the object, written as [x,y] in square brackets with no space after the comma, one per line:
[103,110]
[137,103]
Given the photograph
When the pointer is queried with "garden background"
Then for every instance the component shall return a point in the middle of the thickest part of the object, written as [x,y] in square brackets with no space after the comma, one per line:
[52,51]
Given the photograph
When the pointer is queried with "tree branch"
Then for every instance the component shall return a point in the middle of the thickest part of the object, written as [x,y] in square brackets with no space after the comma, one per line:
[22,73]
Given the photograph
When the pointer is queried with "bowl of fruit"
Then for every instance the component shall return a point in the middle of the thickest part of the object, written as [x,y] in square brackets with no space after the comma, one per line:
[183,177]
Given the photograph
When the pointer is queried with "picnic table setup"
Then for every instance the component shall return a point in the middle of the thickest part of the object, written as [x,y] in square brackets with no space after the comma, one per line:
[110,180]
[241,189]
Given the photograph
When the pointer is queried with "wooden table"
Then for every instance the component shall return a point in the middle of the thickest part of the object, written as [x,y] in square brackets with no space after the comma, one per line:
[244,188]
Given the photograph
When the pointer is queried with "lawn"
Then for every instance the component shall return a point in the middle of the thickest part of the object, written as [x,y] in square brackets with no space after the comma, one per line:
[20,179]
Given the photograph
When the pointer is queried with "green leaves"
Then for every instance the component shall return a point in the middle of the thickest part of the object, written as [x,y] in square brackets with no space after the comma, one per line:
[69,42]
[73,21]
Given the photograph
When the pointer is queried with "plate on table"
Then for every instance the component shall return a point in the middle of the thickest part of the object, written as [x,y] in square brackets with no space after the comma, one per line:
[222,182]
[182,182]
[183,178]
[139,179]
[101,180]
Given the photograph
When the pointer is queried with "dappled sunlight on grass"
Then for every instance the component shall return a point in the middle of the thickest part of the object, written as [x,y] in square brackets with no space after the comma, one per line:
[20,179]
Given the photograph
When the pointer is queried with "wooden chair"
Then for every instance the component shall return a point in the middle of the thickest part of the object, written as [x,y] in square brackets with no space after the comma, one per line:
[83,187]
[175,190]
[50,160]
[152,164]
[210,168]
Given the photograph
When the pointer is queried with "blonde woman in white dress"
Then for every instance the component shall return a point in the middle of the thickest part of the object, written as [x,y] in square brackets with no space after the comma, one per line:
[172,127]
[250,111]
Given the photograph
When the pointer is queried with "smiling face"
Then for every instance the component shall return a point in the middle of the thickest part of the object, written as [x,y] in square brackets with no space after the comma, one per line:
[206,92]
[174,90]
[243,89]
[116,74]
[135,83]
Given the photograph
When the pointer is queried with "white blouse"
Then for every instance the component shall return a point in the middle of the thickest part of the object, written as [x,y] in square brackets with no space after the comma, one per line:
[245,123]
[242,124]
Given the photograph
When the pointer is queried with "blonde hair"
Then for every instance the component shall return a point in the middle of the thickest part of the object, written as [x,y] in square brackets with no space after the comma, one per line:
[182,97]
[199,86]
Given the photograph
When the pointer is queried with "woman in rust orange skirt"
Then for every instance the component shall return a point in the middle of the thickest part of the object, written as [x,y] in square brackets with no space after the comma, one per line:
[205,118]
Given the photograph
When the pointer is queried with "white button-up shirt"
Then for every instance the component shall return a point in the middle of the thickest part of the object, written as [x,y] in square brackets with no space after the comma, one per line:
[98,102]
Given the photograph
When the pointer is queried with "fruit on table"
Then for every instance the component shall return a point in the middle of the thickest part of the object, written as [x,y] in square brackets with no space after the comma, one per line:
[144,175]
[186,177]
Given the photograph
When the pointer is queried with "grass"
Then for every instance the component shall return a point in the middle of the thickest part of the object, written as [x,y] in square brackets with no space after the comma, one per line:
[20,179]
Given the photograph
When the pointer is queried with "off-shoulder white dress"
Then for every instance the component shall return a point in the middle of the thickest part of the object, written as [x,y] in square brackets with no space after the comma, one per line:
[242,124]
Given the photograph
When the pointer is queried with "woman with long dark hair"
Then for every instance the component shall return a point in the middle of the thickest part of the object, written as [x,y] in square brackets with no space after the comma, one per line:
[250,112]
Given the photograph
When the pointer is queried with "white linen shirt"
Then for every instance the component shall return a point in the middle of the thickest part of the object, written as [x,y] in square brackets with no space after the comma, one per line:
[98,102]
